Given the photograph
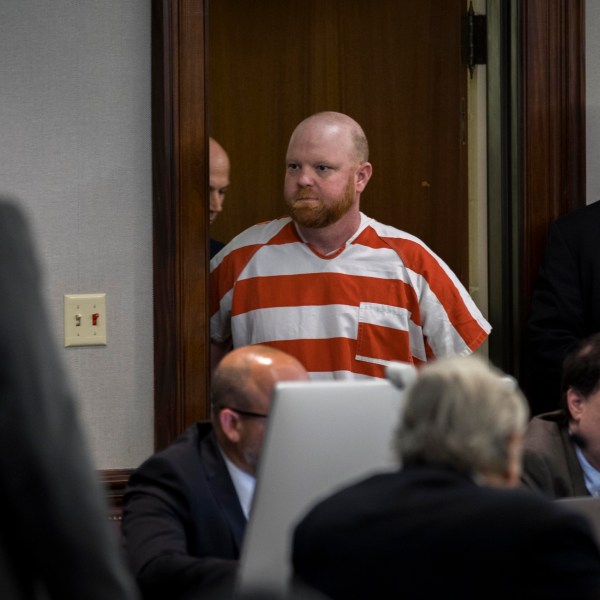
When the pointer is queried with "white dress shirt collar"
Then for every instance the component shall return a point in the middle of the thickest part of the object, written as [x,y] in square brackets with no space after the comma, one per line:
[243,483]
[591,475]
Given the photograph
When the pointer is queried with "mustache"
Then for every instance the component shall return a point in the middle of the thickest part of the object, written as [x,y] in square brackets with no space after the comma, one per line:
[303,195]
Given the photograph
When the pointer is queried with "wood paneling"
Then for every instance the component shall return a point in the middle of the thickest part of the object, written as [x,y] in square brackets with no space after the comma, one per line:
[552,103]
[536,154]
[551,141]
[180,217]
[553,120]
[393,66]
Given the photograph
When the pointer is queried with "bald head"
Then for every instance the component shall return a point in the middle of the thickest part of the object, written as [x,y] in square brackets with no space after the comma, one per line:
[332,125]
[218,177]
[248,375]
[242,390]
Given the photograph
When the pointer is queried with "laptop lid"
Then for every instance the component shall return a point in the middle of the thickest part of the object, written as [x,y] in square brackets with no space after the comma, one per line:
[321,436]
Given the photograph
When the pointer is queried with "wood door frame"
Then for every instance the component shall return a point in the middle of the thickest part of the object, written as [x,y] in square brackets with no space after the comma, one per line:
[547,95]
[180,217]
[536,151]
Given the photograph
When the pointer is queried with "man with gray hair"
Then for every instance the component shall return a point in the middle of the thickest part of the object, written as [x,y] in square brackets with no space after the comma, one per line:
[449,522]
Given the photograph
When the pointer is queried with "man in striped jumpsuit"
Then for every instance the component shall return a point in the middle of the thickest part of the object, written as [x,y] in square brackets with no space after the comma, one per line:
[338,290]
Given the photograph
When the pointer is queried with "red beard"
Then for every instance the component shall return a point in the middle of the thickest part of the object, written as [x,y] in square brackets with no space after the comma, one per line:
[319,215]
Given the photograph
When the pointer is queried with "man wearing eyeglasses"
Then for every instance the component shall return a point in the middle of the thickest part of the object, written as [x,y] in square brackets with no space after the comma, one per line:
[186,508]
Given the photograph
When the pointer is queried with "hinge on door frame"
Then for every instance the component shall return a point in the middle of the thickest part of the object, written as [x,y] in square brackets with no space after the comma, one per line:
[474,39]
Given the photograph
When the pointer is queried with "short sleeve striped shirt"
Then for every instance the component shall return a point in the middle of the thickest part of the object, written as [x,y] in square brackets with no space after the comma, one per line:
[384,296]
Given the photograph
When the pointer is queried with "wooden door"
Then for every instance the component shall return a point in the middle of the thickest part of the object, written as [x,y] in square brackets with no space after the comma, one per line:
[549,102]
[392,65]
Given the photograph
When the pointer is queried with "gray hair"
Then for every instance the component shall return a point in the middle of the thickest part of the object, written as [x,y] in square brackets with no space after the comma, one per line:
[461,413]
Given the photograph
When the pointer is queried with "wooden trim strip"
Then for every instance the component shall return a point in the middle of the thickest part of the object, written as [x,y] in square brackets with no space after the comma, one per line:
[180,217]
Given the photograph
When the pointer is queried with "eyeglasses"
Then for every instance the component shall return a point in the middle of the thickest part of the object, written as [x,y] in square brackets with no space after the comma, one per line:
[246,413]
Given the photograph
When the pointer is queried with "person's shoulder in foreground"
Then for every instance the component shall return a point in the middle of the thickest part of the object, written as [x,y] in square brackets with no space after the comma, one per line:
[428,532]
[447,523]
[182,522]
[335,288]
[55,539]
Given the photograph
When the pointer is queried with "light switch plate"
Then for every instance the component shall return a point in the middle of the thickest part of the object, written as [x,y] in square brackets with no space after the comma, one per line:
[85,319]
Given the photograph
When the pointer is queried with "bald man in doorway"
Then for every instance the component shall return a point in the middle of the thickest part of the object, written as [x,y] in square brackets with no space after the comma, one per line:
[186,508]
[338,290]
[218,181]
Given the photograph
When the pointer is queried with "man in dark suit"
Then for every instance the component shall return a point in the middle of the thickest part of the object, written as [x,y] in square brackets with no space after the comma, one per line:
[185,508]
[562,448]
[446,525]
[55,539]
[565,307]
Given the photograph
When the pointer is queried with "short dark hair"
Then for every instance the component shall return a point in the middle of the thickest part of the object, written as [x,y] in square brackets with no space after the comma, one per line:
[581,368]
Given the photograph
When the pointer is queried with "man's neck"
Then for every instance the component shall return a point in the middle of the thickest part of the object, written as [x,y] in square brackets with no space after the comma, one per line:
[581,443]
[328,239]
[243,482]
[591,475]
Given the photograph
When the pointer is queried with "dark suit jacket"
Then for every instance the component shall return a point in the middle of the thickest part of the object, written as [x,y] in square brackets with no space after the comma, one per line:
[182,522]
[566,302]
[215,246]
[54,534]
[426,532]
[550,464]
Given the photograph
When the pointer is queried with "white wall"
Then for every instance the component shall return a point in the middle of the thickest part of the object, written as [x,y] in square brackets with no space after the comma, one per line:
[75,151]
[592,98]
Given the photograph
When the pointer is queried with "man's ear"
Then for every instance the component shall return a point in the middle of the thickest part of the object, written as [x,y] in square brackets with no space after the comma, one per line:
[575,403]
[363,174]
[230,425]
